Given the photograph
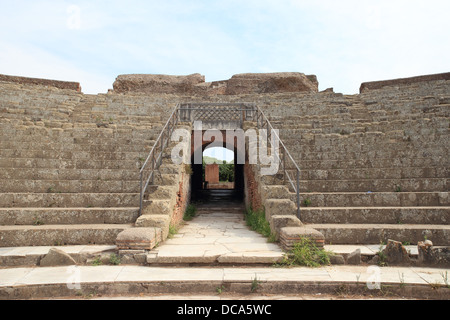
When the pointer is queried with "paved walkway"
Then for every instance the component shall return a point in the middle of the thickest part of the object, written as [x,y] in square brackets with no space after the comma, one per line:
[128,280]
[217,236]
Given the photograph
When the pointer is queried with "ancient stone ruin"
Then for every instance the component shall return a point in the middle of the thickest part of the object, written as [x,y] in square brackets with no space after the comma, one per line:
[195,85]
[373,166]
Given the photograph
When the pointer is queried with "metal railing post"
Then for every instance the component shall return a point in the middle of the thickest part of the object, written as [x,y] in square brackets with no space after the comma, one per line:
[298,196]
[141,196]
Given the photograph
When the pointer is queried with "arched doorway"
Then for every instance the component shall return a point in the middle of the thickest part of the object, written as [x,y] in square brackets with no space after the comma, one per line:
[218,168]
[198,168]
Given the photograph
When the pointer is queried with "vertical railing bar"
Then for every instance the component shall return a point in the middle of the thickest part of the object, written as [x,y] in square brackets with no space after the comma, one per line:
[141,196]
[298,196]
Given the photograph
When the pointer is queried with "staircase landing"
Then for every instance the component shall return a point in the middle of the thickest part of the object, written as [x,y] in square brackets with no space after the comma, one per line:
[217,235]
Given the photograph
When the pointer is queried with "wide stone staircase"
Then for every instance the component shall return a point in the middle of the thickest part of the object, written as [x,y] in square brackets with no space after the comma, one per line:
[374,166]
[69,165]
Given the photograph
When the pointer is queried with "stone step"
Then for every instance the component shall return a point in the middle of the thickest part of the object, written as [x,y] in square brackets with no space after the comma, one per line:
[375,185]
[375,199]
[377,215]
[68,174]
[362,146]
[63,142]
[299,155]
[55,235]
[181,284]
[400,163]
[89,164]
[366,185]
[378,233]
[74,155]
[67,216]
[68,200]
[375,173]
[69,186]
[73,147]
[83,134]
[31,256]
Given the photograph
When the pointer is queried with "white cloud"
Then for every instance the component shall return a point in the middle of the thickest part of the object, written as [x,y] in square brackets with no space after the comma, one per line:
[29,61]
[343,42]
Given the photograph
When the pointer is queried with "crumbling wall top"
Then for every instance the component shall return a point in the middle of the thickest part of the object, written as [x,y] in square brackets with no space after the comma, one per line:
[42,82]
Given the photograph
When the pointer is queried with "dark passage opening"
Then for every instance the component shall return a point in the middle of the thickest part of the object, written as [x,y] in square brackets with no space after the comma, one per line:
[212,179]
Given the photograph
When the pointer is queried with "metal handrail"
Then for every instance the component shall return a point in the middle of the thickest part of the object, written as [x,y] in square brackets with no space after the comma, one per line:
[263,122]
[154,158]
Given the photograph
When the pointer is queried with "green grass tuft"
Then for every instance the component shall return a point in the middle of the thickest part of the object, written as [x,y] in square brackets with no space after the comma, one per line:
[306,253]
[190,213]
[256,220]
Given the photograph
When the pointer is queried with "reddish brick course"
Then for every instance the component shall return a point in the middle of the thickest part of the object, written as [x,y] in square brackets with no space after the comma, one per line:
[254,198]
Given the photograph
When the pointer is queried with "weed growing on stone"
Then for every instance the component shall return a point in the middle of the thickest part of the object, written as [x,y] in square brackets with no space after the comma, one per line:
[255,284]
[257,222]
[307,202]
[37,221]
[114,260]
[306,253]
[445,278]
[97,262]
[220,290]
[402,279]
[190,213]
[173,230]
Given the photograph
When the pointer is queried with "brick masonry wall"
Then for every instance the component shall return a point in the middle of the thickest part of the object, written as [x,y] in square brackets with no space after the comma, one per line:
[252,195]
[183,199]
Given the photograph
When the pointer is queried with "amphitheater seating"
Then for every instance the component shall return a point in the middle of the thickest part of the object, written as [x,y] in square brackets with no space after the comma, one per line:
[70,164]
[374,166]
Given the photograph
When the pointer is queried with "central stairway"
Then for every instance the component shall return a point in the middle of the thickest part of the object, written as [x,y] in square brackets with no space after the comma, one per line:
[218,235]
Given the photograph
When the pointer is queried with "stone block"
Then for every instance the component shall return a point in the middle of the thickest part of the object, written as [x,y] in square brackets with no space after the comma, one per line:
[275,192]
[157,84]
[279,207]
[396,253]
[155,221]
[290,235]
[337,259]
[249,83]
[139,239]
[57,257]
[158,207]
[279,222]
[354,258]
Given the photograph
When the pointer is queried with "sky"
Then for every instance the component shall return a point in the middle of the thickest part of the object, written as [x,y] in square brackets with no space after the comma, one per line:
[219,153]
[343,42]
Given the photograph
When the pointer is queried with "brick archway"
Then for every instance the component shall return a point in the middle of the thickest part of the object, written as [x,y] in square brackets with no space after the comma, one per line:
[218,141]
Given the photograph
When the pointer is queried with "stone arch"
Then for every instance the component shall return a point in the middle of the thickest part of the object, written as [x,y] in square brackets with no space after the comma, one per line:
[197,178]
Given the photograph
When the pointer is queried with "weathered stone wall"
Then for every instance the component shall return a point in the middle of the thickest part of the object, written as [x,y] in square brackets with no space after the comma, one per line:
[42,82]
[151,84]
[372,141]
[195,85]
[374,85]
[251,83]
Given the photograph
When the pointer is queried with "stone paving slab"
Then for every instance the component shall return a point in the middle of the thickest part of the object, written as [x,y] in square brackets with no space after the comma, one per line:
[119,274]
[22,251]
[216,237]
[369,250]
